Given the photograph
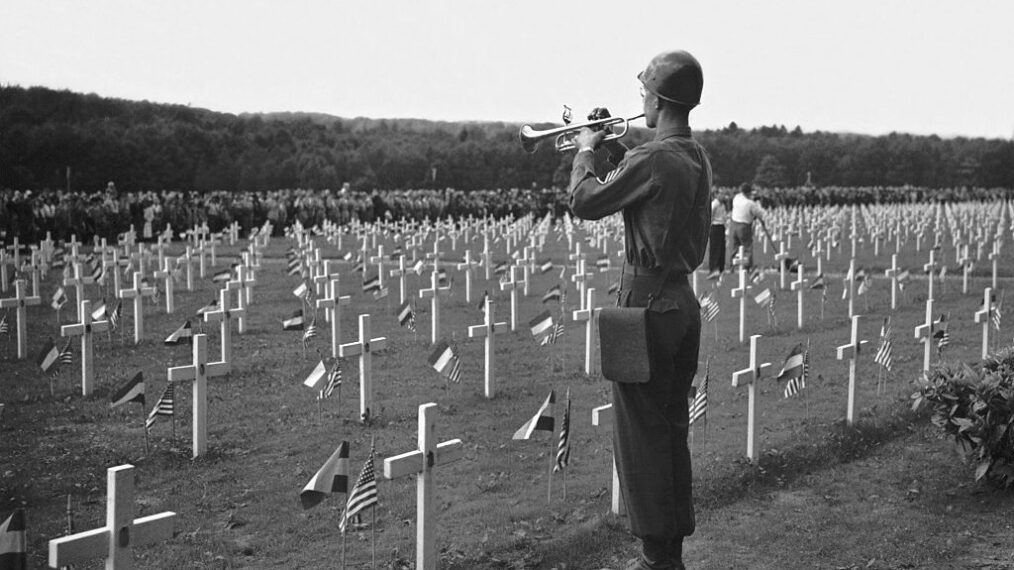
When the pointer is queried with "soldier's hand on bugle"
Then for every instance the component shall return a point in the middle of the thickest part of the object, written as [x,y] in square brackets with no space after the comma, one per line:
[588,139]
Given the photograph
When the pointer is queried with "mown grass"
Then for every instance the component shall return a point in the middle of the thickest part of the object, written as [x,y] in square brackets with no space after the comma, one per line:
[238,505]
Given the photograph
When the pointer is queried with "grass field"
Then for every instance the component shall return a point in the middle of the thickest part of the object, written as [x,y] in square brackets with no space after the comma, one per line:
[888,493]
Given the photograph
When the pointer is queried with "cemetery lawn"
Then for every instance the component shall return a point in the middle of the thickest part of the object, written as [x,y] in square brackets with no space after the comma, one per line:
[888,493]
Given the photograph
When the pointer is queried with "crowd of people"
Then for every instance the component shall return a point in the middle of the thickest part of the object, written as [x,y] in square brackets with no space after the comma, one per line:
[31,214]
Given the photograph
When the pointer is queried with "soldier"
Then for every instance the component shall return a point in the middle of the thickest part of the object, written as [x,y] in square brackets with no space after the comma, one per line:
[662,187]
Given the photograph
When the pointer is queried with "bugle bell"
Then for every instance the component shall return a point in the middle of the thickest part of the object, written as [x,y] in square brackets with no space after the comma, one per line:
[530,138]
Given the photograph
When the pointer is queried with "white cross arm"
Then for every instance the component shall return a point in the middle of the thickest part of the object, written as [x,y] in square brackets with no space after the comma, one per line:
[851,350]
[480,330]
[585,314]
[220,315]
[329,303]
[983,315]
[601,414]
[356,348]
[188,372]
[411,462]
[88,545]
[79,329]
[750,375]
[923,330]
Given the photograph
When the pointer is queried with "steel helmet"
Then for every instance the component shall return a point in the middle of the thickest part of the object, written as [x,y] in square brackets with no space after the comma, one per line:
[674,76]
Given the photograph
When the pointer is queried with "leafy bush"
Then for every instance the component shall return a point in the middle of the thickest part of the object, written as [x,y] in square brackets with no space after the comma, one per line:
[976,406]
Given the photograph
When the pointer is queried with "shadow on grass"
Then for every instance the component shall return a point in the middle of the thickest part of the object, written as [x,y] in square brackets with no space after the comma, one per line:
[603,541]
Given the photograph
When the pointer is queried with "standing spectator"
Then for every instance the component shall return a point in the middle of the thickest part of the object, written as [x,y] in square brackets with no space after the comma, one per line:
[744,211]
[716,242]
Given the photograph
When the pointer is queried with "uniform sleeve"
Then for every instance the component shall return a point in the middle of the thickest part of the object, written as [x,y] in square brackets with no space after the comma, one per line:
[593,198]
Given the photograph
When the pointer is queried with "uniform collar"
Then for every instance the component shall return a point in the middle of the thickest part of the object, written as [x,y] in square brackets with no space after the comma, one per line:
[682,131]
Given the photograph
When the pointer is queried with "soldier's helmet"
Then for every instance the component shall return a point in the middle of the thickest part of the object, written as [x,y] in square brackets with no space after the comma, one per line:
[674,76]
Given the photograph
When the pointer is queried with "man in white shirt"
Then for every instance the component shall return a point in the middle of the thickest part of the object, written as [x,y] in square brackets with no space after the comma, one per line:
[744,211]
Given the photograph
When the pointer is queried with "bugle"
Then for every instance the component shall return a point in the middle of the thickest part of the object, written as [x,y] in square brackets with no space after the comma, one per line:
[530,138]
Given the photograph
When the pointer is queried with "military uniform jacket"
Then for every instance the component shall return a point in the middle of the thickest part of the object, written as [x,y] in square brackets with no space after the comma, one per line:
[663,189]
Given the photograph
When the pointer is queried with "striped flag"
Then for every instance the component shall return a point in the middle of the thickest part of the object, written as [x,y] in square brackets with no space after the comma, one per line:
[554,334]
[998,314]
[903,278]
[545,265]
[310,332]
[48,355]
[372,284]
[764,298]
[164,406]
[884,356]
[334,378]
[332,477]
[363,494]
[181,335]
[553,294]
[130,391]
[542,420]
[614,288]
[699,405]
[941,334]
[213,305]
[418,267]
[316,377]
[66,354]
[4,327]
[59,299]
[602,263]
[794,370]
[500,268]
[541,324]
[13,545]
[406,316]
[709,307]
[295,322]
[114,317]
[818,282]
[99,312]
[445,361]
[302,291]
[563,447]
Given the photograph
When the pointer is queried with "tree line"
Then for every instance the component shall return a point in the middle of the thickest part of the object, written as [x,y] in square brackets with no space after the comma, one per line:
[53,139]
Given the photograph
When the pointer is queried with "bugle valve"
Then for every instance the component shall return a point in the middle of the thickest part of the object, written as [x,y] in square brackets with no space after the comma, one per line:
[530,137]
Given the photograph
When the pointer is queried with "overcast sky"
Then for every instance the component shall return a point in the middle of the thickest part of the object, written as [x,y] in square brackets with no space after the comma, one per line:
[866,66]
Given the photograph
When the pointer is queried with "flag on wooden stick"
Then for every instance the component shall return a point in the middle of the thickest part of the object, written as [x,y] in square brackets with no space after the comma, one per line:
[363,494]
[446,361]
[563,448]
[885,352]
[181,335]
[164,406]
[699,405]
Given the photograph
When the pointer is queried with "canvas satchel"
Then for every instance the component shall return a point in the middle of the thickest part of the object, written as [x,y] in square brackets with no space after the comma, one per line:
[623,341]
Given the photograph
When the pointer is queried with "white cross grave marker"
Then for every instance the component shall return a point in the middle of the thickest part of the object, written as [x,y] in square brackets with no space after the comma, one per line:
[798,286]
[224,315]
[166,275]
[740,292]
[199,372]
[122,533]
[421,463]
[138,293]
[590,316]
[332,305]
[364,349]
[925,332]
[489,329]
[20,301]
[985,317]
[513,284]
[434,293]
[751,375]
[78,282]
[84,329]
[851,351]
[599,417]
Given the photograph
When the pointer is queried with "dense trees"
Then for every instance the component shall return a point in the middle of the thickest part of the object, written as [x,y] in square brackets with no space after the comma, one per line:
[148,146]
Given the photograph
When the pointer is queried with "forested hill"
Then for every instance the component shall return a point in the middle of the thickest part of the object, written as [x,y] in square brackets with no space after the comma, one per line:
[143,145]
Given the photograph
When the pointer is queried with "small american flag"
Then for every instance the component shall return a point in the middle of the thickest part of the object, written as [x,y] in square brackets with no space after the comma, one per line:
[363,494]
[310,332]
[164,406]
[334,378]
[563,447]
[709,307]
[554,334]
[66,354]
[4,327]
[884,356]
[699,405]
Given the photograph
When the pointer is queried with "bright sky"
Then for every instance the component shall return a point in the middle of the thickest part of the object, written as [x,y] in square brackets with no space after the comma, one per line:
[866,66]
